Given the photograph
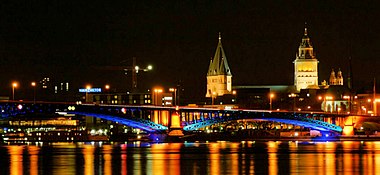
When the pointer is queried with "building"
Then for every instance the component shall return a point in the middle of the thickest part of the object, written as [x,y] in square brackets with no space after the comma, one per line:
[305,65]
[143,98]
[336,80]
[264,96]
[219,77]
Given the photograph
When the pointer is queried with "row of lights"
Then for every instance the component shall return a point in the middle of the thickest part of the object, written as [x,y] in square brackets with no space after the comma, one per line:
[15,85]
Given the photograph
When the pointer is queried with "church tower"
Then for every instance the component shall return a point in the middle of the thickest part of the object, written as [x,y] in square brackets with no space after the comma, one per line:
[339,78]
[332,78]
[305,65]
[219,77]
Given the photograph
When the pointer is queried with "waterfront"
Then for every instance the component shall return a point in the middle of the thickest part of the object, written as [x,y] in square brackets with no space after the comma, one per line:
[248,157]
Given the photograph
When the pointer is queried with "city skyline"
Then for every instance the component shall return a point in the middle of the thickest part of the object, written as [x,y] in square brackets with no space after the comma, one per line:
[69,41]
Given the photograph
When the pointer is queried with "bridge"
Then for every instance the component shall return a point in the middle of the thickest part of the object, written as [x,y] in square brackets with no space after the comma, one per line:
[166,119]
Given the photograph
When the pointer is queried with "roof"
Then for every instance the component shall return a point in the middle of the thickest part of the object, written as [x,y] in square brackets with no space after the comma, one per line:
[306,47]
[306,43]
[219,64]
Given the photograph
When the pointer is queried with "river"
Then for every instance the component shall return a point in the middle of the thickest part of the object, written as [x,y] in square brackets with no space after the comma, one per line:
[248,157]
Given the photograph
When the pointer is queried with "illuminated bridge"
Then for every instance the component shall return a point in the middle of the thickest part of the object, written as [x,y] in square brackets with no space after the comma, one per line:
[166,119]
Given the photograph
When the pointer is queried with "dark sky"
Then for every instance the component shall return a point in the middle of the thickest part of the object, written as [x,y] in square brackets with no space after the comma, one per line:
[72,41]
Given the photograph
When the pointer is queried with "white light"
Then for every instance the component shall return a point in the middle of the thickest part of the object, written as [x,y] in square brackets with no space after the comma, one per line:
[19,107]
[150,67]
[137,68]
[123,110]
[228,107]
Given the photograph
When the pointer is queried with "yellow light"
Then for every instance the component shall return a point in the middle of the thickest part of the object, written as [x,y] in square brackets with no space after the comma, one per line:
[171,89]
[233,92]
[33,83]
[329,98]
[150,67]
[14,84]
[88,87]
[107,86]
[369,100]
[320,98]
[271,95]
[158,90]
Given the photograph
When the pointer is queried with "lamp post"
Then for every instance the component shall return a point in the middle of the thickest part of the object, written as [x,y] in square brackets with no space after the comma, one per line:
[213,98]
[135,70]
[156,92]
[270,100]
[292,95]
[34,91]
[14,85]
[88,87]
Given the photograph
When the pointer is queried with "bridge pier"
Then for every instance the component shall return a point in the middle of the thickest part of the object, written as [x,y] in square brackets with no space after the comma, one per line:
[348,128]
[175,125]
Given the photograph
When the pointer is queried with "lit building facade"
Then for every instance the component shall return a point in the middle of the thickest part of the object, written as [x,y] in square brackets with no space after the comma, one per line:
[336,80]
[305,65]
[219,77]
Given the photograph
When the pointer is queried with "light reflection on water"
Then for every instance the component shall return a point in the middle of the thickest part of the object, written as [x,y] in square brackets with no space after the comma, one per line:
[349,157]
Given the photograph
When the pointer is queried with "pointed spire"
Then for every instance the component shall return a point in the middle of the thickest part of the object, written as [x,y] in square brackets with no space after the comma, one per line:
[305,50]
[332,80]
[305,33]
[349,76]
[219,64]
[339,78]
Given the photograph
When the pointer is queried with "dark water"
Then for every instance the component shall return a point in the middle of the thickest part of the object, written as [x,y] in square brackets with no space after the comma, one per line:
[192,158]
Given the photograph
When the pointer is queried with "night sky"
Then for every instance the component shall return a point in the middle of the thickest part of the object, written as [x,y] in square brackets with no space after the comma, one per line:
[74,41]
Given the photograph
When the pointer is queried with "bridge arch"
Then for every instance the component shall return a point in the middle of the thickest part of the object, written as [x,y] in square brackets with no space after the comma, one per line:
[284,118]
[139,123]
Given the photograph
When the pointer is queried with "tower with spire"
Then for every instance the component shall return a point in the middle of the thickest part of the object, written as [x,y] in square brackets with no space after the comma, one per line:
[305,65]
[219,77]
[336,80]
[332,80]
[339,78]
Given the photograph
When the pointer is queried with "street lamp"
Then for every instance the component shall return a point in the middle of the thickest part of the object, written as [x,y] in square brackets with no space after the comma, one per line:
[88,87]
[175,95]
[213,98]
[14,85]
[34,91]
[107,87]
[135,70]
[270,100]
[292,95]
[156,91]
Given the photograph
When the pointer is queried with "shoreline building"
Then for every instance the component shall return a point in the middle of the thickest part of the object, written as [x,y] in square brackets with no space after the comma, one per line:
[219,77]
[305,65]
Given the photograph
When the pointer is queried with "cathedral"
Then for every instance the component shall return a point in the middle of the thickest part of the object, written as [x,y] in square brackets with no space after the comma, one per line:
[219,77]
[305,65]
